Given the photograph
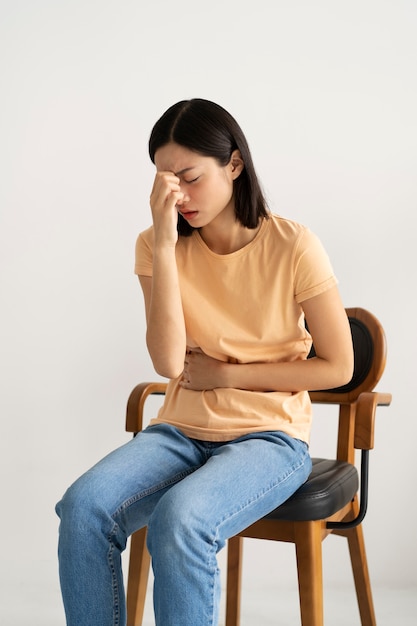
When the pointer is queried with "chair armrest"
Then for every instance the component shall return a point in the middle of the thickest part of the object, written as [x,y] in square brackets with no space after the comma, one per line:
[365,417]
[136,402]
[364,441]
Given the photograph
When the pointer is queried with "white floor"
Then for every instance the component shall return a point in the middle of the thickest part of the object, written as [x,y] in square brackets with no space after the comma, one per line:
[272,607]
[261,607]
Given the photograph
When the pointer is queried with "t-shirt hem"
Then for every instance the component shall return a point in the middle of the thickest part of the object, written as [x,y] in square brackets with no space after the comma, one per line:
[214,435]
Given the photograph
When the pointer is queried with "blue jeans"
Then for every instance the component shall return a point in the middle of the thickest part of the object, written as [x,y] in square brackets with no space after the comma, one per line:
[193,495]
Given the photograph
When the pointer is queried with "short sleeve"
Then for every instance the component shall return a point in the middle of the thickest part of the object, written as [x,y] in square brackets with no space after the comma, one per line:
[144,253]
[313,270]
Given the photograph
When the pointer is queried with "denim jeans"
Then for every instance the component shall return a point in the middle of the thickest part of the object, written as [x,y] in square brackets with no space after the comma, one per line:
[193,495]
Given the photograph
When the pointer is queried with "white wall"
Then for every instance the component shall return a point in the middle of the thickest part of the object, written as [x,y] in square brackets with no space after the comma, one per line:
[326,93]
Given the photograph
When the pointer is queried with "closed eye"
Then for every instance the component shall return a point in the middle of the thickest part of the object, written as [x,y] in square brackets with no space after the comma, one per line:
[192,181]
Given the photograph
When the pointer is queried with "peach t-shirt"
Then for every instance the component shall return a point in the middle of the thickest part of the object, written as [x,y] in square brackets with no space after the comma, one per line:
[244,307]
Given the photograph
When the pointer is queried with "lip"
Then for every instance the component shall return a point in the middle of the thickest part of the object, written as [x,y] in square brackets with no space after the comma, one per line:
[189,215]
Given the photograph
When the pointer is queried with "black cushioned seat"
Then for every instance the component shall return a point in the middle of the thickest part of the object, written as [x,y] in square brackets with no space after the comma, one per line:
[330,486]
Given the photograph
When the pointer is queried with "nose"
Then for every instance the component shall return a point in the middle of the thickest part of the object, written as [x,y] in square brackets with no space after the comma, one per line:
[185,198]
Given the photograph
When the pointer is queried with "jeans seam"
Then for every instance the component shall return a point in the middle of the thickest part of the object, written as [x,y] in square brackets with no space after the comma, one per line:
[115,586]
[214,567]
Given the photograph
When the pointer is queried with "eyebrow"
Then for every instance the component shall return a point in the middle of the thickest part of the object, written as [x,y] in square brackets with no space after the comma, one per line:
[186,169]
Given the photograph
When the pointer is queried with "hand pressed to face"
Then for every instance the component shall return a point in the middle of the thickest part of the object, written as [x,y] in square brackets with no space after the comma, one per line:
[166,195]
[201,372]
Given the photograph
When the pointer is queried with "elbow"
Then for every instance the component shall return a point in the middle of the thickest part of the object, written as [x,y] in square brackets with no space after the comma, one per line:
[166,372]
[349,366]
[167,359]
[345,376]
[168,369]
[344,372]
[337,372]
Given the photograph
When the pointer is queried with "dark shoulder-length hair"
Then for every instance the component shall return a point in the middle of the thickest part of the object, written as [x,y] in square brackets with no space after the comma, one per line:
[208,129]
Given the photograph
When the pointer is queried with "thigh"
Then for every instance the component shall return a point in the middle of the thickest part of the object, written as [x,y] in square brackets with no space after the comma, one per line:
[241,482]
[127,483]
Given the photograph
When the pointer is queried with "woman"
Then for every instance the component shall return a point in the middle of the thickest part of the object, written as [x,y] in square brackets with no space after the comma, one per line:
[227,289]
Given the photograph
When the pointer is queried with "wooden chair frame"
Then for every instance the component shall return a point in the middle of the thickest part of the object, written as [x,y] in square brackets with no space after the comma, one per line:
[357,409]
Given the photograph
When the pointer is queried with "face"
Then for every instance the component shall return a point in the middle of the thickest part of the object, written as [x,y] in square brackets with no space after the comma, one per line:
[206,185]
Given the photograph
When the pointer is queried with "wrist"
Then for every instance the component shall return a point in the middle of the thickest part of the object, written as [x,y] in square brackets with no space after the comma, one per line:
[226,374]
[164,244]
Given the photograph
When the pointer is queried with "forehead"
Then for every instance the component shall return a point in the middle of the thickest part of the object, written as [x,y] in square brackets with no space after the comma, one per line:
[178,159]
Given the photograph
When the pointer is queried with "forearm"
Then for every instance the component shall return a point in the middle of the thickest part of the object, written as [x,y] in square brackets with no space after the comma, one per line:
[311,374]
[202,372]
[165,336]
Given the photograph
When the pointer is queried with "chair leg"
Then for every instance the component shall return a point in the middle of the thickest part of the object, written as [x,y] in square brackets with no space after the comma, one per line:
[234,577]
[308,539]
[139,562]
[361,575]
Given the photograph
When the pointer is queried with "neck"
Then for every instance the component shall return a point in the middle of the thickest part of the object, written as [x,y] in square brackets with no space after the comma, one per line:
[227,240]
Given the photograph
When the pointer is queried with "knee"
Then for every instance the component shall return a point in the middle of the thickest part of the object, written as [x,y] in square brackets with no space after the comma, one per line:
[77,504]
[176,522]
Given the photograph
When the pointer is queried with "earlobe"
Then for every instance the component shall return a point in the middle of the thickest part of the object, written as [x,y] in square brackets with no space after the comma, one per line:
[236,164]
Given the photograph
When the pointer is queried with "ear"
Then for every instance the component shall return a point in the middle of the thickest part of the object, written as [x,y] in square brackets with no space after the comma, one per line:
[236,164]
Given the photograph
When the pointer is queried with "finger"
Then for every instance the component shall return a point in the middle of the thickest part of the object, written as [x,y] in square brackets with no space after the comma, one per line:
[164,184]
[167,179]
[166,197]
[175,197]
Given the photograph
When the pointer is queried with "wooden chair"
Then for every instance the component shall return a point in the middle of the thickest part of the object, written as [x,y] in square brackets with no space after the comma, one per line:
[326,504]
